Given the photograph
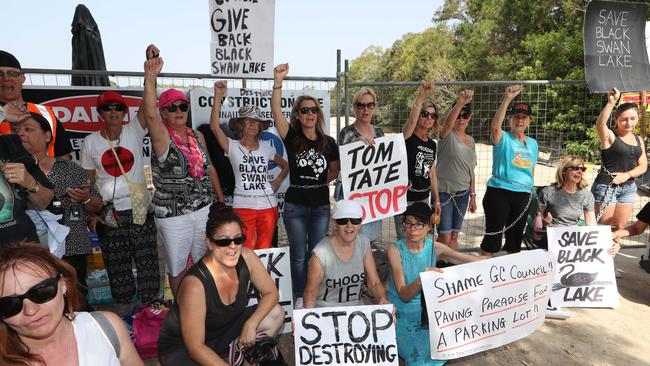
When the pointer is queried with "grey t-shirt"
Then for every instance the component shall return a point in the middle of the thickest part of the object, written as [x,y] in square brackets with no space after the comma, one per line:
[342,280]
[566,208]
[456,162]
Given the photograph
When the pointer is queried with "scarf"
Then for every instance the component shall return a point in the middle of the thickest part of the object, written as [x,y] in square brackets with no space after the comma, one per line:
[190,150]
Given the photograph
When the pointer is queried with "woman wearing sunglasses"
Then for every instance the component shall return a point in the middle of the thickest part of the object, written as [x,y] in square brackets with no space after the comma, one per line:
[623,158]
[185,180]
[457,159]
[341,263]
[313,164]
[38,296]
[212,309]
[416,253]
[254,199]
[421,153]
[123,241]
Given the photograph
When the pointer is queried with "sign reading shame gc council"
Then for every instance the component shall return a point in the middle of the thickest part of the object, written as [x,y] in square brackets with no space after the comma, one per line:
[242,38]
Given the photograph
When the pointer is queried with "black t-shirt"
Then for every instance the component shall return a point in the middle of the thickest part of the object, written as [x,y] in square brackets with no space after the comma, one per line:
[421,156]
[15,225]
[308,170]
[644,214]
[219,161]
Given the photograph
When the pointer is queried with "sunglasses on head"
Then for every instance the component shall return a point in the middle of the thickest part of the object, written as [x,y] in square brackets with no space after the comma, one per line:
[114,107]
[238,240]
[40,293]
[345,221]
[575,167]
[370,105]
[184,107]
[425,114]
[305,110]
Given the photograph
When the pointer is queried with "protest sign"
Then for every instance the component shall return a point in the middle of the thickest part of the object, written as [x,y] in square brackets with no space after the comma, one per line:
[483,305]
[242,38]
[276,262]
[376,176]
[352,335]
[615,47]
[585,272]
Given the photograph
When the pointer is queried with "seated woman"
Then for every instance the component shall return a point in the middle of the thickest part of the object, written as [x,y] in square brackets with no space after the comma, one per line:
[212,304]
[408,257]
[341,262]
[38,295]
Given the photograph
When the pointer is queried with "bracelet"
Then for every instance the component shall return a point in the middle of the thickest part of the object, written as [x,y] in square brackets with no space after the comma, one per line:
[87,201]
[277,87]
[472,194]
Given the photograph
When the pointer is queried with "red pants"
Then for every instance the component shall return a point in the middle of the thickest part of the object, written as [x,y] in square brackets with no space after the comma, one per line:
[259,226]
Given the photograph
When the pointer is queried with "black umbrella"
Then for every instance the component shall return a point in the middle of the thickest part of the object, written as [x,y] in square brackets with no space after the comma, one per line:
[87,49]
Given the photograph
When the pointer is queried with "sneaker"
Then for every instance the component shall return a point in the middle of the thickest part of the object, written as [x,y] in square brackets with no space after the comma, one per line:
[556,313]
[298,304]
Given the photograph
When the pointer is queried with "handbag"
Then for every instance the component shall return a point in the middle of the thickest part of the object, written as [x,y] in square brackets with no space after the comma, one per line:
[139,194]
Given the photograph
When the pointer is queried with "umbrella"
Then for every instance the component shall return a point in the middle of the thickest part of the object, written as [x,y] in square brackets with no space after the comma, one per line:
[87,49]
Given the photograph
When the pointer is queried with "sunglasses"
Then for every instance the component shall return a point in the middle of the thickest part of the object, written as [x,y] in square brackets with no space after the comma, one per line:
[10,74]
[425,114]
[345,221]
[238,240]
[40,293]
[174,107]
[305,110]
[417,225]
[370,105]
[465,115]
[580,168]
[114,107]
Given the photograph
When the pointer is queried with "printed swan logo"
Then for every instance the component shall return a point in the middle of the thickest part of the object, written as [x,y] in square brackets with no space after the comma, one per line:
[571,279]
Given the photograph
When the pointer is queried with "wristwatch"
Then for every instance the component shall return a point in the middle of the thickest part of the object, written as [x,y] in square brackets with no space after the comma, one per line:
[35,189]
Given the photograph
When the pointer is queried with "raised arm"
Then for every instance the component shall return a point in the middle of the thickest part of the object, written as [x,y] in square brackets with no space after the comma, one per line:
[495,129]
[157,131]
[463,98]
[151,52]
[605,135]
[220,88]
[409,126]
[281,123]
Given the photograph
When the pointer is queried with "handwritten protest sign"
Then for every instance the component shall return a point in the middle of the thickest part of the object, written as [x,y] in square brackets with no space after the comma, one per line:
[483,305]
[353,335]
[614,46]
[585,272]
[276,261]
[242,38]
[376,176]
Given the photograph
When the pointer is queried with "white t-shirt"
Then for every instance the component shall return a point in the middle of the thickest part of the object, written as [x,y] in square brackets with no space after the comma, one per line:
[252,187]
[96,155]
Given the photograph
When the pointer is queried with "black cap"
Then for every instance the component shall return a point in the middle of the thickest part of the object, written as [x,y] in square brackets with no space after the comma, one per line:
[467,108]
[8,60]
[521,107]
[420,210]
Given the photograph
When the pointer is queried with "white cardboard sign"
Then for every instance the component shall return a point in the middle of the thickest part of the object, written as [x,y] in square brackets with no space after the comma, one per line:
[276,261]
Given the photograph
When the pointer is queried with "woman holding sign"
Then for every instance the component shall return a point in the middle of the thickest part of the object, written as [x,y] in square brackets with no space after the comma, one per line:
[623,158]
[408,257]
[254,199]
[313,163]
[421,153]
[211,315]
[342,262]
[509,189]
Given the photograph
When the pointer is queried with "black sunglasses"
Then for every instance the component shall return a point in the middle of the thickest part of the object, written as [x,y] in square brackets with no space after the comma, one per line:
[238,240]
[115,107]
[173,107]
[465,115]
[574,167]
[305,110]
[40,293]
[425,114]
[345,221]
[370,105]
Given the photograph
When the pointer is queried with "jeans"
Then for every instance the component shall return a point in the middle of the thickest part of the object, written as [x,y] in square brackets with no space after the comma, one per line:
[620,194]
[305,226]
[452,211]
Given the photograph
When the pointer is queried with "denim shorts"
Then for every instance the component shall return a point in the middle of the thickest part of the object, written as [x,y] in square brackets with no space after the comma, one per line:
[453,211]
[620,194]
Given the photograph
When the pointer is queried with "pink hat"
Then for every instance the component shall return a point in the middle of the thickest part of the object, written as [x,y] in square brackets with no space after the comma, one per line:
[169,96]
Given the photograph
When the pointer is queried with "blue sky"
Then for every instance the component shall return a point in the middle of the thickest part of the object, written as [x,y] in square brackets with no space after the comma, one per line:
[307,33]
